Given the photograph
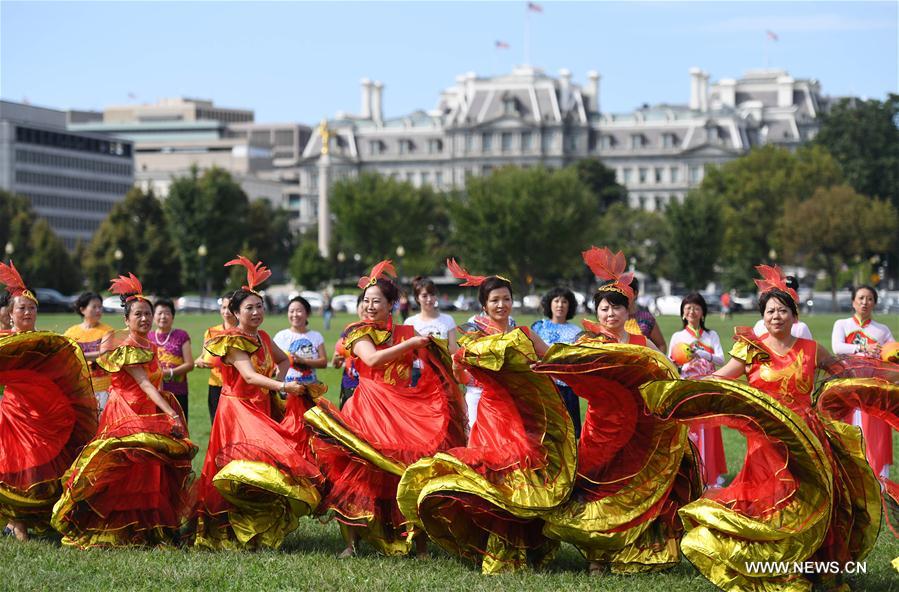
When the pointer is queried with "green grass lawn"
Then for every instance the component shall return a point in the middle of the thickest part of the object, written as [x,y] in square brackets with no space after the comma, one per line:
[308,561]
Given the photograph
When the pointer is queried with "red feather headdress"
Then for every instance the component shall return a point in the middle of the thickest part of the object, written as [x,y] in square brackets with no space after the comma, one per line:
[774,278]
[128,284]
[385,267]
[9,277]
[610,267]
[460,273]
[256,274]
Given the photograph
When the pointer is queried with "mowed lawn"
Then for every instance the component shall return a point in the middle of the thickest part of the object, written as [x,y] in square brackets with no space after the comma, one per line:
[308,559]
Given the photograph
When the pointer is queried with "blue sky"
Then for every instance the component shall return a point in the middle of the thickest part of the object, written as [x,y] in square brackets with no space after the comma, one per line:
[300,61]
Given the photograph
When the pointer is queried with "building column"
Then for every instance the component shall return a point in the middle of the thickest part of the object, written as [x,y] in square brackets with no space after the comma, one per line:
[324,211]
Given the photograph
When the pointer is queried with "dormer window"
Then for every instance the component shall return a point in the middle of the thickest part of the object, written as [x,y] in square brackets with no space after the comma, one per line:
[637,141]
[406,147]
[606,142]
[376,147]
[510,106]
[669,141]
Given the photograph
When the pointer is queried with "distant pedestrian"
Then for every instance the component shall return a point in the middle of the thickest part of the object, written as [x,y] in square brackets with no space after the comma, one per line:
[725,305]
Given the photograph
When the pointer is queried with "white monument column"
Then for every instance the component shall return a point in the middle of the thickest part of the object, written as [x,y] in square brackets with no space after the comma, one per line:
[324,173]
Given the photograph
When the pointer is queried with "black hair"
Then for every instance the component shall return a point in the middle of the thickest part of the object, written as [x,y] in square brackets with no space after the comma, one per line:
[421,283]
[127,304]
[697,299]
[782,297]
[864,287]
[85,299]
[237,297]
[558,292]
[166,303]
[613,297]
[492,283]
[792,282]
[635,285]
[303,302]
[388,289]
[4,298]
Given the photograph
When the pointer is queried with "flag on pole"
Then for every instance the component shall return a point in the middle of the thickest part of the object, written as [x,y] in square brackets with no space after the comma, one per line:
[772,35]
[502,45]
[132,96]
[534,7]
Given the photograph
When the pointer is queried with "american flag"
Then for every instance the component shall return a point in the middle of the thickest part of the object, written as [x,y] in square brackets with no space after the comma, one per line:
[533,6]
[772,35]
[502,45]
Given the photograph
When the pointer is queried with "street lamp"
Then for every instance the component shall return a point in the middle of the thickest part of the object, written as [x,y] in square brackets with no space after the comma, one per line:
[202,252]
[341,257]
[9,249]
[118,255]
[400,253]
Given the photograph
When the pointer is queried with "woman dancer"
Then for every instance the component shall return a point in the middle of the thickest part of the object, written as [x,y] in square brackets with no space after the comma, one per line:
[229,321]
[805,491]
[387,424]
[860,335]
[88,334]
[258,479]
[48,412]
[485,501]
[133,483]
[697,352]
[633,470]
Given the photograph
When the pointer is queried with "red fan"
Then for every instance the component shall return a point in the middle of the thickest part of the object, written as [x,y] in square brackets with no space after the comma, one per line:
[385,267]
[256,274]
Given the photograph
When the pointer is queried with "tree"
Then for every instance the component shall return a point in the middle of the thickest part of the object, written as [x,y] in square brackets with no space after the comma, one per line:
[268,234]
[694,239]
[307,267]
[530,223]
[752,192]
[600,180]
[137,229]
[638,233]
[374,215]
[38,253]
[863,137]
[209,209]
[835,226]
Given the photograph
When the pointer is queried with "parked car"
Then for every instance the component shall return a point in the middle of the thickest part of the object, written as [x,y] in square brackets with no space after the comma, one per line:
[112,304]
[53,301]
[344,303]
[196,304]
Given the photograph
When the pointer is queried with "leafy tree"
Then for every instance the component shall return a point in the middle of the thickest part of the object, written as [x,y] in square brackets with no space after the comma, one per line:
[307,267]
[375,215]
[863,137]
[694,239]
[209,209]
[138,229]
[640,234]
[753,191]
[530,223]
[268,234]
[835,226]
[600,179]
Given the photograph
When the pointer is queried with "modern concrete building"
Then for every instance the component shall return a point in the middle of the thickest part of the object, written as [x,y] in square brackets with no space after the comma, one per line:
[174,135]
[72,179]
[529,118]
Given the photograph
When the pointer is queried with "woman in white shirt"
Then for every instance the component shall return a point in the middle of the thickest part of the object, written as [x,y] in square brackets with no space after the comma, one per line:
[860,335]
[697,352]
[430,322]
[305,348]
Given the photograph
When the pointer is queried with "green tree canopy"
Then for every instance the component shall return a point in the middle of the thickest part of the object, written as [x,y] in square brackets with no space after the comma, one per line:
[530,223]
[268,234]
[307,267]
[640,234]
[374,215]
[207,209]
[835,226]
[694,239]
[600,180]
[138,229]
[752,192]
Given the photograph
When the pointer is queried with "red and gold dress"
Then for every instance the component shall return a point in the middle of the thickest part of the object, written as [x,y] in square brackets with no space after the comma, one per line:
[634,469]
[48,412]
[258,479]
[486,501]
[805,491]
[387,425]
[133,483]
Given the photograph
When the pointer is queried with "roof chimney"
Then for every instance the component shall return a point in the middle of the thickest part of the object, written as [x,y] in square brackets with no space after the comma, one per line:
[366,98]
[377,105]
[704,92]
[695,75]
[593,91]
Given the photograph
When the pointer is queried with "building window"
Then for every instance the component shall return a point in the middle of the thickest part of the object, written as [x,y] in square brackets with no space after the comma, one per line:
[637,141]
[669,140]
[548,140]
[660,203]
[435,146]
[469,143]
[506,142]
[527,141]
[695,174]
[406,147]
[712,134]
[643,175]
[438,179]
[510,106]
[376,147]
[425,178]
[571,142]
[641,199]
[659,173]
[606,142]
[486,169]
[628,176]
[487,142]
[674,173]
